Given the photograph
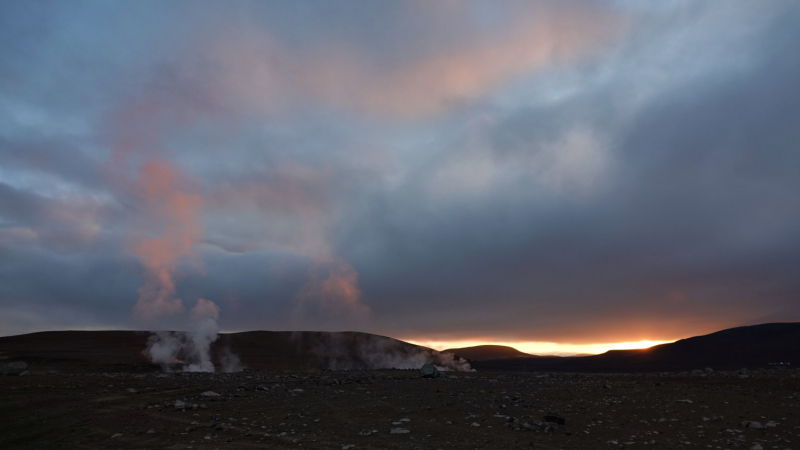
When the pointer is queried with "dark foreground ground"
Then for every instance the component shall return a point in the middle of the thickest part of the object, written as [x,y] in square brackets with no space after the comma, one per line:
[358,410]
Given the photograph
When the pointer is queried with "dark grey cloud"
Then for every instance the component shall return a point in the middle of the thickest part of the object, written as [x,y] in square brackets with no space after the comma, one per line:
[643,189]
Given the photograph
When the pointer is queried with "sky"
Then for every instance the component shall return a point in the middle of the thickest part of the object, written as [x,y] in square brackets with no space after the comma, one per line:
[562,176]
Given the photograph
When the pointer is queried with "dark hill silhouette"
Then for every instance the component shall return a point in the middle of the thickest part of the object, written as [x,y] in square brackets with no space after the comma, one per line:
[264,350]
[751,346]
[486,352]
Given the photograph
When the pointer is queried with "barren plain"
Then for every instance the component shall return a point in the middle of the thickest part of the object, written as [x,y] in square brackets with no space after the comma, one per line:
[396,409]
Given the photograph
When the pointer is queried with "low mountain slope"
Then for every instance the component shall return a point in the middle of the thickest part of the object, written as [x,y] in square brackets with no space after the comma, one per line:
[750,346]
[486,352]
[263,350]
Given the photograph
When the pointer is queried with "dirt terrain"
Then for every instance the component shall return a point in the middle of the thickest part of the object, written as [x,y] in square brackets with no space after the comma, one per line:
[359,410]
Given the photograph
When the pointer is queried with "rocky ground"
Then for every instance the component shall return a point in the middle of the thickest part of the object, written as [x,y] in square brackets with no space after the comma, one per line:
[400,410]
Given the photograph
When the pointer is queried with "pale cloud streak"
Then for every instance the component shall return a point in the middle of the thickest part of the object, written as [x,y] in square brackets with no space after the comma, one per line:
[257,70]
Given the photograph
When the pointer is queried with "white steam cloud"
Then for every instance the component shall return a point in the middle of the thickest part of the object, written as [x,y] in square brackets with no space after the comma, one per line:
[358,351]
[190,351]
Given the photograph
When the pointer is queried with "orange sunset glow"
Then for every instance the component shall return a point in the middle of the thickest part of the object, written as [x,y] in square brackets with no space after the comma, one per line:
[543,348]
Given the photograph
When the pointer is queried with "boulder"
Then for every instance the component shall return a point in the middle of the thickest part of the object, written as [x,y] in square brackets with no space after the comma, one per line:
[15,368]
[429,371]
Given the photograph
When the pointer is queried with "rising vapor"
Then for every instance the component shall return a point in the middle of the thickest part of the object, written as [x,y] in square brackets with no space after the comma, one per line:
[177,213]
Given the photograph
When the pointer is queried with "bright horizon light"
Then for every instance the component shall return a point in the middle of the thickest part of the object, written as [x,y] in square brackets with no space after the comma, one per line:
[543,348]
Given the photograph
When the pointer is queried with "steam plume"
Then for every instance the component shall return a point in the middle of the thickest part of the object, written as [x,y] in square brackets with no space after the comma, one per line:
[358,351]
[190,350]
[172,210]
[333,287]
[176,211]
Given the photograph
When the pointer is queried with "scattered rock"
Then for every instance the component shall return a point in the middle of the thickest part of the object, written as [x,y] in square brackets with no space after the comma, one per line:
[180,405]
[210,394]
[116,436]
[132,390]
[399,431]
[752,424]
[686,400]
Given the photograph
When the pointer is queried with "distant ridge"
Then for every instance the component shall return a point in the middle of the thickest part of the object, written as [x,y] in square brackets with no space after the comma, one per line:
[734,348]
[487,352]
[123,351]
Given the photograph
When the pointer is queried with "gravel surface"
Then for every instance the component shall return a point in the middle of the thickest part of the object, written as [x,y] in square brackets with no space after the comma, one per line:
[400,410]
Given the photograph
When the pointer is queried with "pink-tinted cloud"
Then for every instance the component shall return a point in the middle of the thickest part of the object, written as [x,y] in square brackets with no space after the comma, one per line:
[332,288]
[176,211]
[259,72]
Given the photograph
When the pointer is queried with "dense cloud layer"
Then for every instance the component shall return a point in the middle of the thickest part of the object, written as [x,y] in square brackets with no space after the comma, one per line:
[550,171]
